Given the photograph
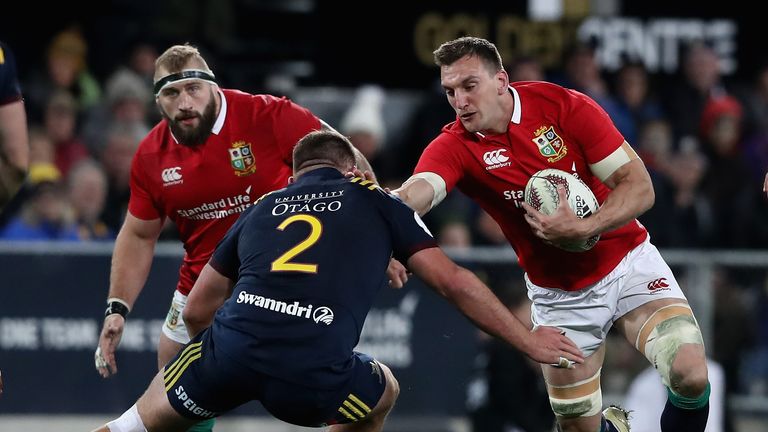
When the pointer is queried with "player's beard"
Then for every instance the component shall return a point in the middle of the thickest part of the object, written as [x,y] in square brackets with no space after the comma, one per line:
[192,137]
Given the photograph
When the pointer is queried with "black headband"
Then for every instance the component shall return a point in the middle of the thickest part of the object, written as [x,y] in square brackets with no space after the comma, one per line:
[183,75]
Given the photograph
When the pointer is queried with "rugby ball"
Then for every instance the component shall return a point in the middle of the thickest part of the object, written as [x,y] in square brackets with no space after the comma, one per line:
[541,194]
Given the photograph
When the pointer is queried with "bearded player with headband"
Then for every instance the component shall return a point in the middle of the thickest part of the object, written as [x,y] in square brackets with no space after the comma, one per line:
[505,132]
[214,153]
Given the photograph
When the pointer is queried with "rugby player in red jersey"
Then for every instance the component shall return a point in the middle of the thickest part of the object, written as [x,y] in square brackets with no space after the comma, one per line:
[502,135]
[213,154]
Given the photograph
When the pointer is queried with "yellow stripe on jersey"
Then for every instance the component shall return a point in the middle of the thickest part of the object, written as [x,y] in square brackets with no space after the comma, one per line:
[347,414]
[262,197]
[188,351]
[354,409]
[182,369]
[2,56]
[359,403]
[373,186]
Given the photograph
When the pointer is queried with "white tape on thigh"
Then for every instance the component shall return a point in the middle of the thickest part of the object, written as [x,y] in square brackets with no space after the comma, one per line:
[664,332]
[130,421]
[581,399]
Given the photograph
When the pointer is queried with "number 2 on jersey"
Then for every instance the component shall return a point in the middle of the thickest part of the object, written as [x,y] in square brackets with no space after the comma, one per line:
[282,262]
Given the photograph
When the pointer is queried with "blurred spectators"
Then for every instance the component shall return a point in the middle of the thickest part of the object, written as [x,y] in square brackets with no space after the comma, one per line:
[61,128]
[455,234]
[363,123]
[727,184]
[582,73]
[121,143]
[127,101]
[700,79]
[67,70]
[508,393]
[46,215]
[87,190]
[634,98]
[525,68]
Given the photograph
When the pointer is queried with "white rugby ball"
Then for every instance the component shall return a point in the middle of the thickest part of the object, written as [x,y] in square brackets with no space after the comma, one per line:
[541,194]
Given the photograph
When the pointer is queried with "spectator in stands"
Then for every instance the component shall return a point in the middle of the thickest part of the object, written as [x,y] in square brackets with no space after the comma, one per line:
[46,215]
[87,189]
[634,98]
[67,70]
[126,101]
[727,184]
[121,143]
[526,68]
[363,124]
[455,234]
[700,80]
[61,128]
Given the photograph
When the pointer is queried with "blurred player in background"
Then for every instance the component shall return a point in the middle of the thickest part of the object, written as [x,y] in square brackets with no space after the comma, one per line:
[502,135]
[14,144]
[213,154]
[296,303]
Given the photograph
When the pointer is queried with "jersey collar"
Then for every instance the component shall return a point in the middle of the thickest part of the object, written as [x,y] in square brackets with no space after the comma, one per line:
[517,111]
[320,173]
[223,114]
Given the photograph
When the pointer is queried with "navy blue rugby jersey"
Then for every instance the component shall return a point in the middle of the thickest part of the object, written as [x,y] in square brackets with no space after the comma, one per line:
[309,260]
[10,90]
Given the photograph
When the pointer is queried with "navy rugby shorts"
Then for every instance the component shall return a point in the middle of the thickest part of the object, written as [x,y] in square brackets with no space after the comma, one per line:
[202,382]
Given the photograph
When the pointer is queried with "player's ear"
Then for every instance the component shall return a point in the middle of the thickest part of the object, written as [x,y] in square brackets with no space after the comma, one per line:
[502,81]
[291,180]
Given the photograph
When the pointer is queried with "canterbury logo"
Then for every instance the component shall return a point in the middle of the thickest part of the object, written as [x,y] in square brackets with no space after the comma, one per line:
[170,175]
[495,157]
[657,284]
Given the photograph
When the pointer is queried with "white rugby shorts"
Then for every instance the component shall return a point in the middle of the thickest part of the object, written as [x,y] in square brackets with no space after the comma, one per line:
[174,327]
[587,315]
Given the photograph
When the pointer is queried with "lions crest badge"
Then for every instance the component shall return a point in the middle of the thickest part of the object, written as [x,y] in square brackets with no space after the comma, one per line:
[550,144]
[241,158]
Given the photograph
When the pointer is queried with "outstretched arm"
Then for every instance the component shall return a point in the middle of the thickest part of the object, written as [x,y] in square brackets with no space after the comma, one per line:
[14,150]
[422,191]
[211,290]
[131,261]
[462,288]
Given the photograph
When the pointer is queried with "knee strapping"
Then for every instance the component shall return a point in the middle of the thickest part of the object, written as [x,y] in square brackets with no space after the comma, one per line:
[581,399]
[130,421]
[662,335]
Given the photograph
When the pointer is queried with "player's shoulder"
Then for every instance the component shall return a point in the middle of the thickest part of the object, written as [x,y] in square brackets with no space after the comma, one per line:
[542,90]
[372,191]
[156,139]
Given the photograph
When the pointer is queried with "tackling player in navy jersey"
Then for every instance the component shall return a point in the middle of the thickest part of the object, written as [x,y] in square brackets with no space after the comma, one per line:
[14,143]
[295,278]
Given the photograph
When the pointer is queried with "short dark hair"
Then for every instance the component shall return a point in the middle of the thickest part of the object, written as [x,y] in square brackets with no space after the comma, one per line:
[323,147]
[451,51]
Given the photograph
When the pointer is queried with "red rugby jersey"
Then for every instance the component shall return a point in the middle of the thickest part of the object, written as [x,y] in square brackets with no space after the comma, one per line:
[551,127]
[204,189]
